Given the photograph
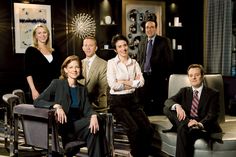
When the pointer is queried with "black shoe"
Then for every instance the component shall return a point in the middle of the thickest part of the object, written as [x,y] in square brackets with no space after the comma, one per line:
[56,154]
[172,129]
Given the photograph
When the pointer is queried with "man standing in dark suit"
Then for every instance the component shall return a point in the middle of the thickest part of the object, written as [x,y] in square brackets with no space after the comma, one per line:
[193,111]
[155,57]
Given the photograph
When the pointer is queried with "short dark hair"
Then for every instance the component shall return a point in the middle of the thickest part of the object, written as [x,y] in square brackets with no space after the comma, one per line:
[196,66]
[117,37]
[150,17]
[151,20]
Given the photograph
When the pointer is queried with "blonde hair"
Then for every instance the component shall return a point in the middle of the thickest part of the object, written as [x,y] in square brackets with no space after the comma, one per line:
[92,38]
[35,41]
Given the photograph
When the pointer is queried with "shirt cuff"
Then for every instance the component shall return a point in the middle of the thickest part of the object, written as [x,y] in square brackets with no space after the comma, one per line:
[173,107]
[201,125]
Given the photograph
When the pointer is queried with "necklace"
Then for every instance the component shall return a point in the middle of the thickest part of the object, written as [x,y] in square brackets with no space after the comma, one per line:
[73,85]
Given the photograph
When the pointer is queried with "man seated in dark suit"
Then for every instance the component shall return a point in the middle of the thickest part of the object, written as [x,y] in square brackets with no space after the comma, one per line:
[193,111]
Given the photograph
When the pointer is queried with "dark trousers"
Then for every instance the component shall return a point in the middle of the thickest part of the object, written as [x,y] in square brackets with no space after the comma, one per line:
[79,129]
[153,93]
[127,111]
[186,136]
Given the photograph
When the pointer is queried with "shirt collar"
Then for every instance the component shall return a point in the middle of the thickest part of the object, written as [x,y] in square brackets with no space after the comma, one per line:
[117,60]
[199,89]
[153,38]
[90,60]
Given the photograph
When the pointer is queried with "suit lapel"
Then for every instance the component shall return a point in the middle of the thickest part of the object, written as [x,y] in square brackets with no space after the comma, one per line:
[156,47]
[67,91]
[87,76]
[189,101]
[92,69]
[203,98]
[144,47]
[84,68]
[79,95]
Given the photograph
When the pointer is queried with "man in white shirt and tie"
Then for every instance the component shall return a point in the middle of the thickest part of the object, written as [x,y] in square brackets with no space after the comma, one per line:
[193,116]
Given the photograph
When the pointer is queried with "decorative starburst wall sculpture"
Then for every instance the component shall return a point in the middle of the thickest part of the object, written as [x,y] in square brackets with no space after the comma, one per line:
[83,25]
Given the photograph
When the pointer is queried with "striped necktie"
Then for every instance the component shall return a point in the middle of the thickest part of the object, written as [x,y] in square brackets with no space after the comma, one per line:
[194,107]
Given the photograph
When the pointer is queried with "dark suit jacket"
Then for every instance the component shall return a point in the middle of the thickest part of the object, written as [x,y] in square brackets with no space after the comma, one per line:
[208,110]
[162,56]
[96,83]
[58,92]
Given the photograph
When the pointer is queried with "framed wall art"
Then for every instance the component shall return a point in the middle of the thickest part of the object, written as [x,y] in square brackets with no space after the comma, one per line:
[26,16]
[135,13]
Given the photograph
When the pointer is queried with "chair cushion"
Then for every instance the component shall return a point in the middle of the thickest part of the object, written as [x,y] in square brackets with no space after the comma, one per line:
[35,125]
[167,141]
[30,110]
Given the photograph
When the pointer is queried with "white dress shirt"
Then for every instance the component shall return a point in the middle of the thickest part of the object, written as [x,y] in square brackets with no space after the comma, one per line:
[199,94]
[116,70]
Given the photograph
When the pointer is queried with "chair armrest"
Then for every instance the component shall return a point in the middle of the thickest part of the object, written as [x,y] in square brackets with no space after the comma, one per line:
[21,94]
[10,98]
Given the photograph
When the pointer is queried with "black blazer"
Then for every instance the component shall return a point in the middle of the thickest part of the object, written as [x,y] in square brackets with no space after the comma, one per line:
[58,93]
[162,56]
[208,110]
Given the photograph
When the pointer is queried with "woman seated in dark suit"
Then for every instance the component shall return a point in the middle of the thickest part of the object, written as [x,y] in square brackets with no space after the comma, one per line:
[76,118]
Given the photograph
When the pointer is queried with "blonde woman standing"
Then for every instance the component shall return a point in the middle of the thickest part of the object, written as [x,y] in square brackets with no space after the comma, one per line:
[42,63]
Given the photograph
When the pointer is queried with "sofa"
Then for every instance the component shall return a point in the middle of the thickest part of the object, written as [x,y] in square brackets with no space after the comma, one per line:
[166,142]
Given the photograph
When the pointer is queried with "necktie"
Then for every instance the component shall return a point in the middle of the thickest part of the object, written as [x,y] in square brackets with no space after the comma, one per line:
[195,102]
[147,67]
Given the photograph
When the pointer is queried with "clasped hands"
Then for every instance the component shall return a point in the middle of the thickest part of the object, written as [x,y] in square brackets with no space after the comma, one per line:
[192,122]
[62,118]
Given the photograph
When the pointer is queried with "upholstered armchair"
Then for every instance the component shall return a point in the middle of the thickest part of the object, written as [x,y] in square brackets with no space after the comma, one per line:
[40,130]
[166,142]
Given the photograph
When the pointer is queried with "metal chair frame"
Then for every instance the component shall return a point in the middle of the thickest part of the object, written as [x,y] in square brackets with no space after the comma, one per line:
[10,100]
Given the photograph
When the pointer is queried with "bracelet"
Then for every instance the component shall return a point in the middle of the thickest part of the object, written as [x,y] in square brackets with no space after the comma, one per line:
[57,106]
